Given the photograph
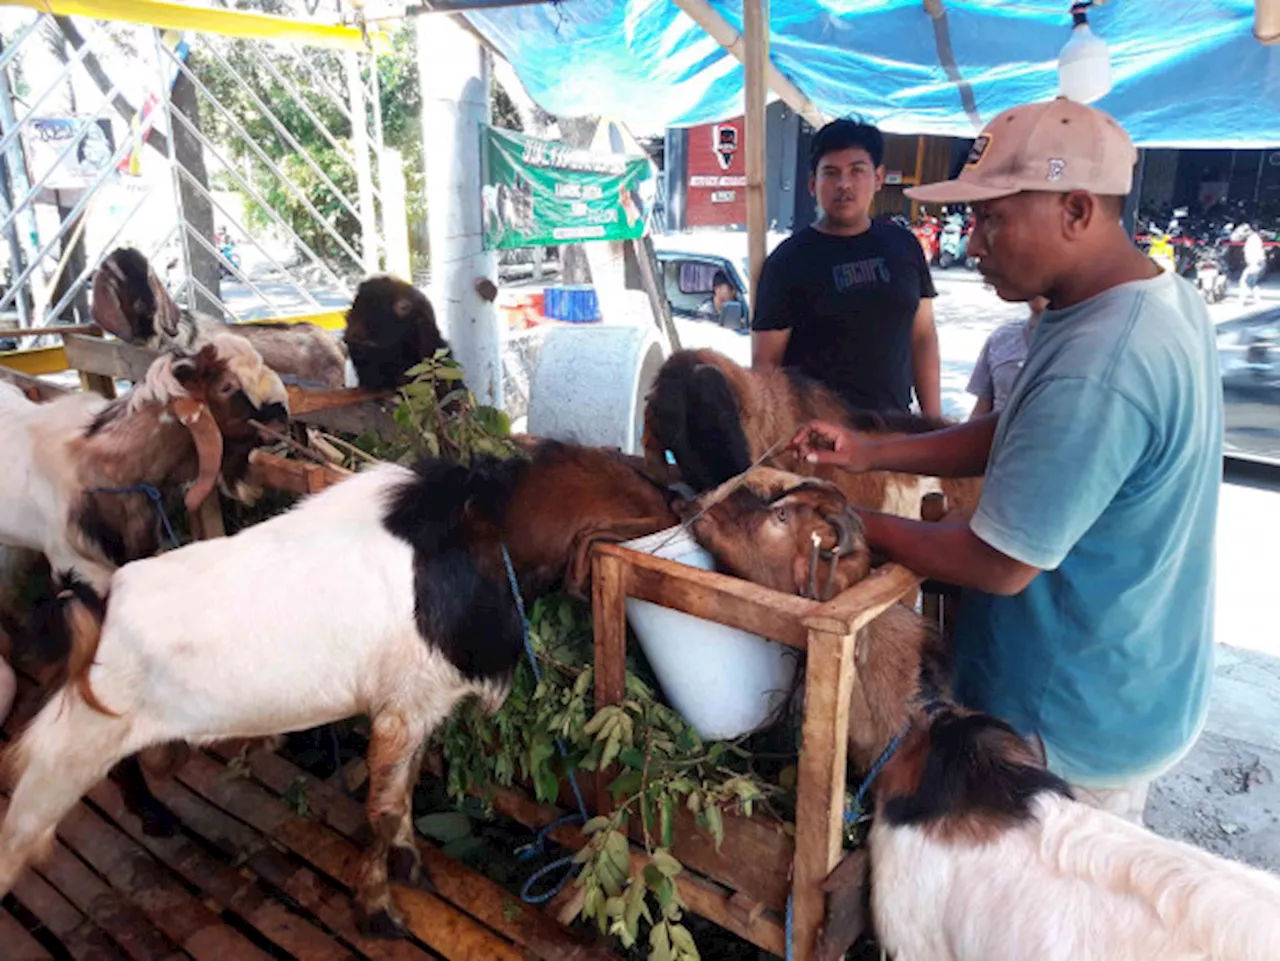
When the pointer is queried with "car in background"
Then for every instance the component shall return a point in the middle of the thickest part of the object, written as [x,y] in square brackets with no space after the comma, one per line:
[689,261]
[1249,360]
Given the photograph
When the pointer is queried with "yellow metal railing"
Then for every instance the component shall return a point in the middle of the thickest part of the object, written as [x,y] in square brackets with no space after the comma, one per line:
[53,360]
[177,16]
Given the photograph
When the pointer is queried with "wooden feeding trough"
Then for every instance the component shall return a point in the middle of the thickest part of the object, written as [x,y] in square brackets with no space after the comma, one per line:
[745,887]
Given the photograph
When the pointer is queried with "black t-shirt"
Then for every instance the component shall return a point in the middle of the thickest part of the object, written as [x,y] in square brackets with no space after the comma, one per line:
[850,304]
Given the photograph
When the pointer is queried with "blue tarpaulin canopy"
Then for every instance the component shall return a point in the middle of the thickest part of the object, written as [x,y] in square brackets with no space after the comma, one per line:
[1187,73]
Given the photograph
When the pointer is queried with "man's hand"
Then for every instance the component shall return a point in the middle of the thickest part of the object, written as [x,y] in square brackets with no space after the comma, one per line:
[820,442]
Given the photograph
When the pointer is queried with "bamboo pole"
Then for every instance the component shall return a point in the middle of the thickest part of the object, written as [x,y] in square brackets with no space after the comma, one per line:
[724,33]
[755,21]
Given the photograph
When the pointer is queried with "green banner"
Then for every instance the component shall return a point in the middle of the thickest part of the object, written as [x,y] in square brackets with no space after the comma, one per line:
[538,193]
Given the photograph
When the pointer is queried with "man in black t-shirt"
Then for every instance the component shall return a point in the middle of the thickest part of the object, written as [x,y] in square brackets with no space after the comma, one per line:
[848,301]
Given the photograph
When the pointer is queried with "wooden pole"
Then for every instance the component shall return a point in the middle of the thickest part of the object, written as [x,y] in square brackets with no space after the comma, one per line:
[755,21]
[609,614]
[821,782]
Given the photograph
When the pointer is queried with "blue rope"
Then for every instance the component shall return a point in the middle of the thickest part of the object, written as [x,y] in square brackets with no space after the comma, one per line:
[856,811]
[539,843]
[153,495]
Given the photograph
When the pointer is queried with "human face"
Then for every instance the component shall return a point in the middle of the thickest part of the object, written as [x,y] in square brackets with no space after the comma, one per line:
[1016,242]
[844,185]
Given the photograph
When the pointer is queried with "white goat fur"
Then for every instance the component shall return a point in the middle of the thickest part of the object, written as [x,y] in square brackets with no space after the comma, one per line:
[301,620]
[1077,884]
[41,479]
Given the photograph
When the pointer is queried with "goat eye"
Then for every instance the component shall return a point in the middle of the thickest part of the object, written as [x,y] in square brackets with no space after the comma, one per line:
[226,390]
[780,515]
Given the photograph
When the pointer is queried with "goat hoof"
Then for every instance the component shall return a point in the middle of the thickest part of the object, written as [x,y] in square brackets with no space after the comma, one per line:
[381,924]
[404,865]
[158,822]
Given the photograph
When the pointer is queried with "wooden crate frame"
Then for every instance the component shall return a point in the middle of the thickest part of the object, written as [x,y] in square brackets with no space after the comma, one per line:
[826,633]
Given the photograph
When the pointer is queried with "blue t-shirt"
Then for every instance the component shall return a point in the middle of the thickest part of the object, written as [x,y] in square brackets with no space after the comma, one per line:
[1104,473]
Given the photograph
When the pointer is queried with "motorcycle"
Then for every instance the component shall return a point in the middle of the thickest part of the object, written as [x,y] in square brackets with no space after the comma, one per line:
[1211,274]
[227,253]
[953,244]
[927,233]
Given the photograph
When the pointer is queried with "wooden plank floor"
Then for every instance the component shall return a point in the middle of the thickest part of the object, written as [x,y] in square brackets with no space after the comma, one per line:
[248,877]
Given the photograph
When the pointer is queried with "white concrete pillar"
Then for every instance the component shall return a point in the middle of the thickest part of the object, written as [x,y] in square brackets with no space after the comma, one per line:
[455,103]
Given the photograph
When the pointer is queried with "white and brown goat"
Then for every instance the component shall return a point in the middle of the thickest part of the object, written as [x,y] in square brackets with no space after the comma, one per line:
[130,301]
[70,488]
[977,852]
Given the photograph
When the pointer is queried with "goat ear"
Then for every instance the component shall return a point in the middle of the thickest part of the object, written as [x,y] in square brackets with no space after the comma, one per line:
[195,417]
[108,309]
[185,370]
[167,313]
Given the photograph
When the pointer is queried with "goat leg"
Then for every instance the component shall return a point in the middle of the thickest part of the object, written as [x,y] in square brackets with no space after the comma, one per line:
[392,750]
[157,820]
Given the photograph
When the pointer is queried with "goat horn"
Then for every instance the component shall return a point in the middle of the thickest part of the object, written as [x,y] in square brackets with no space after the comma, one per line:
[847,525]
[196,417]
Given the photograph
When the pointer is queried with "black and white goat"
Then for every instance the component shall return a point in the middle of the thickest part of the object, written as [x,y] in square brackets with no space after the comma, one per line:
[980,854]
[385,594]
[130,301]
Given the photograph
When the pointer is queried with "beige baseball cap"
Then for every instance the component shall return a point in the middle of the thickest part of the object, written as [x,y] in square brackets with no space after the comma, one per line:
[1057,146]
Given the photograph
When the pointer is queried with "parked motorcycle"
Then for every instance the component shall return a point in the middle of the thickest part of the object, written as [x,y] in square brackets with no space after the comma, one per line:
[927,232]
[1211,273]
[953,245]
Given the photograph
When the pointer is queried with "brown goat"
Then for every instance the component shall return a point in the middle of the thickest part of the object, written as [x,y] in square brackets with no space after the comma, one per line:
[717,419]
[130,301]
[570,497]
[390,327]
[780,529]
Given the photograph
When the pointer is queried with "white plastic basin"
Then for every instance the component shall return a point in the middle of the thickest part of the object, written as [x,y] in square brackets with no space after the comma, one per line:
[725,682]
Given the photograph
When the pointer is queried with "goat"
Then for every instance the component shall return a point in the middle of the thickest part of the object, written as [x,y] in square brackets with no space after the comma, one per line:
[777,529]
[415,614]
[718,419]
[390,327]
[978,852]
[130,301]
[187,422]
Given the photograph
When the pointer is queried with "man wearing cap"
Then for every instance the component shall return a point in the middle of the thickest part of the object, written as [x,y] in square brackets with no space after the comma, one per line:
[1087,619]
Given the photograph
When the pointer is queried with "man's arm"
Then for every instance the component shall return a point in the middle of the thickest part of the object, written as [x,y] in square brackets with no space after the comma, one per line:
[768,348]
[981,408]
[948,552]
[960,451]
[925,361]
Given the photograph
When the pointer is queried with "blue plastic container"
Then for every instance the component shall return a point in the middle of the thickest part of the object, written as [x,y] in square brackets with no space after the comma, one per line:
[572,303]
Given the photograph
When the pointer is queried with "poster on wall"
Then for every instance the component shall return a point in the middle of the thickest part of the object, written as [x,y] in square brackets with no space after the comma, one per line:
[717,170]
[538,193]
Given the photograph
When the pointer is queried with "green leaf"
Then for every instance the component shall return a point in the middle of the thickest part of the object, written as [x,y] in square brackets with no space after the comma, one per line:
[598,823]
[632,757]
[667,865]
[682,940]
[715,823]
[660,943]
[666,892]
[444,826]
[652,876]
[666,820]
[511,911]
